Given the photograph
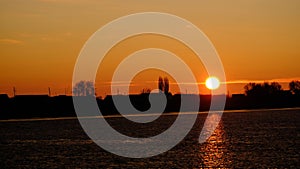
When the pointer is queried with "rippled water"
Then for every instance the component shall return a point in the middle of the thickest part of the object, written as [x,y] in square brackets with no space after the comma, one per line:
[256,139]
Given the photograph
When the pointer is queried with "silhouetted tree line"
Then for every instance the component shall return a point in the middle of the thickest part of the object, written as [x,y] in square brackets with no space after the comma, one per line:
[257,95]
[266,95]
[273,89]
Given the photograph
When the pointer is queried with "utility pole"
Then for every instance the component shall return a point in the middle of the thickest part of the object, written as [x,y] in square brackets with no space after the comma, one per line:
[14,91]
[49,91]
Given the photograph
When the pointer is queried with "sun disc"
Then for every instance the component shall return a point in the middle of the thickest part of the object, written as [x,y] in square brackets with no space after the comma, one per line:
[212,83]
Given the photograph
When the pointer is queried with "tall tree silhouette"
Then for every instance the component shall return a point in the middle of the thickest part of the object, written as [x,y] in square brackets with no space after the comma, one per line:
[160,84]
[84,88]
[295,87]
[166,85]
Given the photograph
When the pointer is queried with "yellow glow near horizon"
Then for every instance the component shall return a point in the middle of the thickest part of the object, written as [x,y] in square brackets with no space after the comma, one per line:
[212,83]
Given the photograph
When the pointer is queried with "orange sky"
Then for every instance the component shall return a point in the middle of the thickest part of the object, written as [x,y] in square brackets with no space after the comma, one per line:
[41,39]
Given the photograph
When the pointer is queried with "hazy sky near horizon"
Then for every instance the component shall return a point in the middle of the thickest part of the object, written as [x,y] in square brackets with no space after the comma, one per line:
[257,40]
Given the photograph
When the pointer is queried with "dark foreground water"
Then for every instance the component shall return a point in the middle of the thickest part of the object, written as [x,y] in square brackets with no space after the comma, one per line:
[254,139]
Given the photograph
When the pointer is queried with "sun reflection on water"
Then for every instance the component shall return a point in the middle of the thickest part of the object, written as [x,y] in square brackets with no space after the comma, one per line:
[214,152]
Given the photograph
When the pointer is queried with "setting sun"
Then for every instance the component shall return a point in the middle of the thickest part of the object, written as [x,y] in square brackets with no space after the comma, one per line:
[212,83]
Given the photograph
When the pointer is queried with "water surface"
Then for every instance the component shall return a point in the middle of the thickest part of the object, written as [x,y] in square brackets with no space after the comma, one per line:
[259,138]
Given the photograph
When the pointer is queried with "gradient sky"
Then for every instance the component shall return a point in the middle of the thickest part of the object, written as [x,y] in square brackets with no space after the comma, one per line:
[257,40]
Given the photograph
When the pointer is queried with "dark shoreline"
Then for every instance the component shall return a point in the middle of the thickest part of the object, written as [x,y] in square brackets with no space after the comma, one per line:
[164,114]
[44,106]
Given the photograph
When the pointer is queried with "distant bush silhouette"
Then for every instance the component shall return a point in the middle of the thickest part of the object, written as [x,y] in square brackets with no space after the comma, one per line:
[84,88]
[295,87]
[146,91]
[263,90]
